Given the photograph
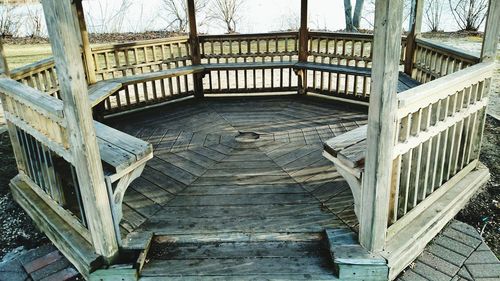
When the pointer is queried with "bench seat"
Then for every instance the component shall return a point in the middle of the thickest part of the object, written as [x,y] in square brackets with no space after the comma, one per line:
[124,158]
[405,82]
[361,71]
[347,152]
[249,65]
[103,89]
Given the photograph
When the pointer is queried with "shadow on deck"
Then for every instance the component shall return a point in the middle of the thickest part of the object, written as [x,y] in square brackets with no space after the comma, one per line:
[239,178]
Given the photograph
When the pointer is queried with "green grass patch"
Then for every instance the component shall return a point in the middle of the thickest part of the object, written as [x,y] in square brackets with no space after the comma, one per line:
[19,55]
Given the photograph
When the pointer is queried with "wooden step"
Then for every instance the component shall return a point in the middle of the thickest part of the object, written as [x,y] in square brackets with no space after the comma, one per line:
[280,260]
[350,260]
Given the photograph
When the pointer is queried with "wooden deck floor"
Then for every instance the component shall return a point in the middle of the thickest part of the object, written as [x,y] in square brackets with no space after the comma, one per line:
[235,205]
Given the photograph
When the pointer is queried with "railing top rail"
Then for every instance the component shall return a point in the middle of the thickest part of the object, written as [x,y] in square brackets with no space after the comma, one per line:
[344,35]
[440,88]
[248,36]
[176,39]
[450,50]
[41,102]
[22,71]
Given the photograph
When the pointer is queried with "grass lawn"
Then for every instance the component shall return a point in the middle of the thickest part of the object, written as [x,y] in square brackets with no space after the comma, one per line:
[19,55]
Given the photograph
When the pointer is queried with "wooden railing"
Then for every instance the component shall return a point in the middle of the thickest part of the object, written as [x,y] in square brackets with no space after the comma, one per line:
[243,48]
[245,63]
[119,60]
[342,49]
[266,59]
[152,88]
[40,141]
[431,60]
[40,75]
[439,134]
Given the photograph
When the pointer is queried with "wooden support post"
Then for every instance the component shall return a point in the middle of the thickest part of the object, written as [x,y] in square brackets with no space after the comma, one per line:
[382,118]
[194,44]
[303,47]
[488,54]
[491,32]
[86,50]
[64,39]
[88,60]
[4,68]
[414,33]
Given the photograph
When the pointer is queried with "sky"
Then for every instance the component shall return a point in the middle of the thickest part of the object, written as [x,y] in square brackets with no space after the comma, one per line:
[256,16]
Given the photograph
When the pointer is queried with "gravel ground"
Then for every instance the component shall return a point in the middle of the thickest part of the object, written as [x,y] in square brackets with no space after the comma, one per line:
[16,228]
[483,211]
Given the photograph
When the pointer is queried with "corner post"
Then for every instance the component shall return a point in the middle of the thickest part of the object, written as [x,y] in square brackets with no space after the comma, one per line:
[382,120]
[488,54]
[491,32]
[194,43]
[303,46]
[415,29]
[65,43]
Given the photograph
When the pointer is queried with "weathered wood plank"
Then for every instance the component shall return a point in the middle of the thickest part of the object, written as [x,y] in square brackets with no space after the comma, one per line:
[381,124]
[60,18]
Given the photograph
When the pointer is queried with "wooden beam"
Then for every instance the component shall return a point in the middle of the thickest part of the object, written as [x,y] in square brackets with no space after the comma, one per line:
[86,50]
[382,117]
[194,43]
[303,46]
[414,33]
[4,68]
[491,32]
[64,38]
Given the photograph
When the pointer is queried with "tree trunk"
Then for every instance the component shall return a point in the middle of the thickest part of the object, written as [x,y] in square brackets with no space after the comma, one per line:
[348,15]
[358,9]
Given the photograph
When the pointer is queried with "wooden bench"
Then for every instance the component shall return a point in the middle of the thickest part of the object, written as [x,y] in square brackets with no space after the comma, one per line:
[347,152]
[103,89]
[124,158]
[405,82]
[343,69]
[249,65]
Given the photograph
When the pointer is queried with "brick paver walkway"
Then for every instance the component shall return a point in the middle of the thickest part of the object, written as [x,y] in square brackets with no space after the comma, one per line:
[44,263]
[457,254]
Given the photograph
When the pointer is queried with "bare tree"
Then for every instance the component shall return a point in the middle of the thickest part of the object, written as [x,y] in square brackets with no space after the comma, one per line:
[10,20]
[290,22]
[177,13]
[105,20]
[353,20]
[356,17]
[227,13]
[34,21]
[469,14]
[433,12]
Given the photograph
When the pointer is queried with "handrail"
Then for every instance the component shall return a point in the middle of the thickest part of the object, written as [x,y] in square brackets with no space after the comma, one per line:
[176,39]
[29,69]
[43,103]
[248,36]
[448,49]
[433,91]
[341,35]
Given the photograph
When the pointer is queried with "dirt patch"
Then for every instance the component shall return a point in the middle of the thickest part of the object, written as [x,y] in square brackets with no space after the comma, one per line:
[483,211]
[16,228]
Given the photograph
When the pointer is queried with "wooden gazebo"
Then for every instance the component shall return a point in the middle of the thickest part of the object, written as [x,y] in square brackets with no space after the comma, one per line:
[401,119]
